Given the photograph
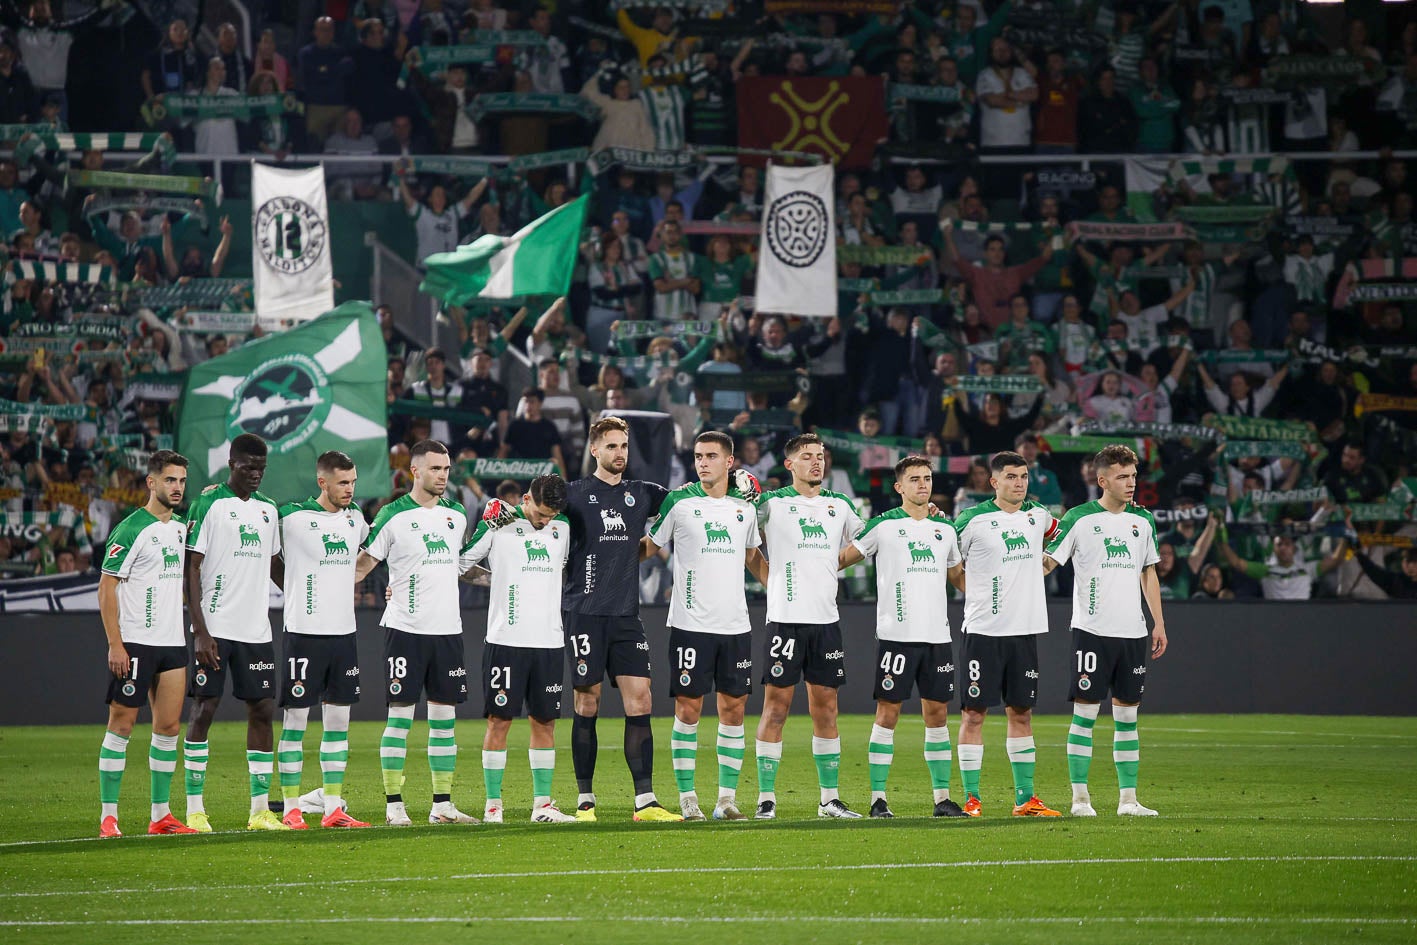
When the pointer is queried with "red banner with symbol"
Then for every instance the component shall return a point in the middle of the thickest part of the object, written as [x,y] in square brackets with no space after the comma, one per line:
[841,118]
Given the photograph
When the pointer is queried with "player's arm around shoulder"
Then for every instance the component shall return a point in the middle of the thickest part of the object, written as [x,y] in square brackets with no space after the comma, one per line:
[1058,545]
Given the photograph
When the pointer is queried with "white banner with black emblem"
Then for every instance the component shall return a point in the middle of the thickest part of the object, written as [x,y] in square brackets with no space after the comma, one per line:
[290,245]
[797,256]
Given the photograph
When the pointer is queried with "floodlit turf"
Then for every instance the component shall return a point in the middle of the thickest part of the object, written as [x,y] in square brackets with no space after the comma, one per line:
[1273,829]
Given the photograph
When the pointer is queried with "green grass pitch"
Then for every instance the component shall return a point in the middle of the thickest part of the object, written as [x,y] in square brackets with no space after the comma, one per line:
[1273,829]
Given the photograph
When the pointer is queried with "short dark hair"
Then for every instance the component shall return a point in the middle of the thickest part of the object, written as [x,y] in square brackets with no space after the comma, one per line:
[549,492]
[718,438]
[1117,454]
[1001,461]
[248,445]
[432,353]
[1356,445]
[1409,554]
[801,441]
[510,488]
[333,461]
[161,459]
[605,425]
[423,447]
[534,393]
[546,363]
[990,241]
[911,461]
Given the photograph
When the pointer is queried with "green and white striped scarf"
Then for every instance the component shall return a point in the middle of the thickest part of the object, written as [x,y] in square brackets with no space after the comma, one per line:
[67,272]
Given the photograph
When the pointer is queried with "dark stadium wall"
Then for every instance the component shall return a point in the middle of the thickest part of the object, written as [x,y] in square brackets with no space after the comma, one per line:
[1312,657]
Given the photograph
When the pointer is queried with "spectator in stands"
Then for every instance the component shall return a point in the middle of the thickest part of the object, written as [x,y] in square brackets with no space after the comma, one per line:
[175,67]
[1355,479]
[439,390]
[1398,585]
[624,122]
[1244,398]
[216,135]
[353,180]
[976,489]
[268,59]
[673,273]
[561,406]
[1059,97]
[993,283]
[44,44]
[1156,106]
[322,73]
[435,223]
[531,435]
[548,63]
[1285,575]
[1006,93]
[991,430]
[889,383]
[238,66]
[374,75]
[1106,121]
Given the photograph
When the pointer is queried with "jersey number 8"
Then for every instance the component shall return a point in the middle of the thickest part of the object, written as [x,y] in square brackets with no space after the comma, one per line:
[974,673]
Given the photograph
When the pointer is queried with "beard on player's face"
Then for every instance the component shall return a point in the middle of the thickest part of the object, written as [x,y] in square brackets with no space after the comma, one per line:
[168,501]
[614,463]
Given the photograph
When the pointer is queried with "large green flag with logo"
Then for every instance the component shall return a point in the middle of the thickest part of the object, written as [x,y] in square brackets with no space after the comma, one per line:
[317,387]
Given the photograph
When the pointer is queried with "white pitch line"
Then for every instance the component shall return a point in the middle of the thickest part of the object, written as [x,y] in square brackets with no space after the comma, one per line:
[742,920]
[697,870]
[1263,731]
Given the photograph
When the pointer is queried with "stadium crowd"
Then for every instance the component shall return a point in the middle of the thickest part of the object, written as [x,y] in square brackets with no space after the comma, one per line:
[1256,341]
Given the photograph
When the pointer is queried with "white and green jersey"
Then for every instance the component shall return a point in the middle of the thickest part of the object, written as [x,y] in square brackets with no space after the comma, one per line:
[320,549]
[1195,308]
[421,547]
[912,558]
[1293,581]
[679,303]
[1109,550]
[237,539]
[711,538]
[664,104]
[803,537]
[1074,341]
[1003,568]
[527,565]
[145,554]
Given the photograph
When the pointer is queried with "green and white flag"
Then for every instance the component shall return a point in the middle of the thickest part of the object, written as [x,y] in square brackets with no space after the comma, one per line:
[290,245]
[538,259]
[319,386]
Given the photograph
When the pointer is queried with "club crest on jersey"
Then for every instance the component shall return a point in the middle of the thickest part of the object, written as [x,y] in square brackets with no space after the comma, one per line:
[266,517]
[831,511]
[629,500]
[582,669]
[395,688]
[939,536]
[776,670]
[500,698]
[1031,521]
[974,690]
[201,678]
[685,679]
[887,684]
[1135,532]
[297,690]
[1084,683]
[129,689]
[451,526]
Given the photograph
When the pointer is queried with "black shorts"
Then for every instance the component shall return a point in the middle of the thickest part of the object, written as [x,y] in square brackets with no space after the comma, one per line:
[700,663]
[319,668]
[420,665]
[511,674]
[1000,670]
[1108,664]
[251,666]
[929,667]
[810,651]
[145,664]
[598,646]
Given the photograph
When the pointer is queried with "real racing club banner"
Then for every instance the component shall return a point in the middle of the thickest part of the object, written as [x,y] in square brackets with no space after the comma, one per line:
[290,245]
[839,117]
[797,260]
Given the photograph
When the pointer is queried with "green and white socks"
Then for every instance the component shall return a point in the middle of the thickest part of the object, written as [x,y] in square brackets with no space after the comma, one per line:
[1022,758]
[334,754]
[684,752]
[112,758]
[769,757]
[442,750]
[826,752]
[290,756]
[393,750]
[937,760]
[494,767]
[260,765]
[971,760]
[880,752]
[162,764]
[1126,750]
[732,746]
[1080,749]
[543,767]
[194,770]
